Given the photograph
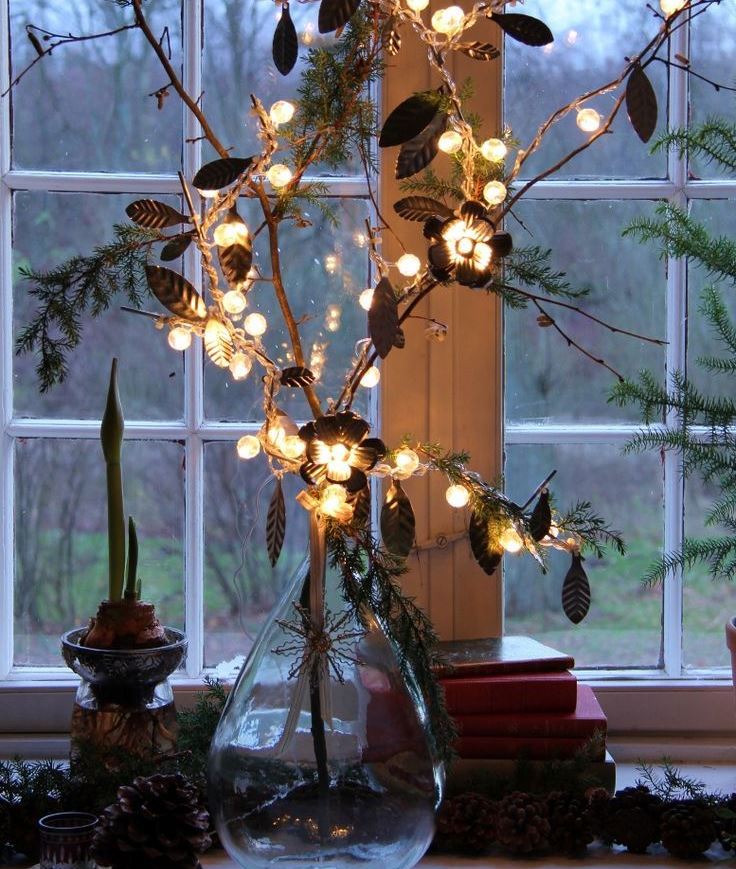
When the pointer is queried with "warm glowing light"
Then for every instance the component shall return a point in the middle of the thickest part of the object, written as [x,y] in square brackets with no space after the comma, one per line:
[465,245]
[417,5]
[371,377]
[493,150]
[360,239]
[339,453]
[307,35]
[554,530]
[408,264]
[240,366]
[669,7]
[215,336]
[279,175]
[589,120]
[333,500]
[457,496]
[231,231]
[255,324]
[208,194]
[571,37]
[494,192]
[365,299]
[294,447]
[234,302]
[179,338]
[281,112]
[248,447]
[448,20]
[450,142]
[511,540]
[407,460]
[331,263]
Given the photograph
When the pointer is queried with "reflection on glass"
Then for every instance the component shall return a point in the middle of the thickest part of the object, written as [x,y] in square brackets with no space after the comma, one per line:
[61,570]
[622,628]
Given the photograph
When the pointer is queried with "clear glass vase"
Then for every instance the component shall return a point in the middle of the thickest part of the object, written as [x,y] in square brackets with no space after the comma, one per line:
[333,772]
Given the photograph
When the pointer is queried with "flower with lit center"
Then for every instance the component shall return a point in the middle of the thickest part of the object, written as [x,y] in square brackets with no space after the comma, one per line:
[338,451]
[462,248]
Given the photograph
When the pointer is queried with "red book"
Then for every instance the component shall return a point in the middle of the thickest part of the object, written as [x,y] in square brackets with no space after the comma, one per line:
[499,656]
[530,692]
[587,718]
[532,747]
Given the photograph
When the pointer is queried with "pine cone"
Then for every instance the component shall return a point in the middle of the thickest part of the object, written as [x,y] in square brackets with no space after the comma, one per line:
[725,819]
[570,822]
[632,818]
[158,822]
[688,828]
[522,825]
[467,823]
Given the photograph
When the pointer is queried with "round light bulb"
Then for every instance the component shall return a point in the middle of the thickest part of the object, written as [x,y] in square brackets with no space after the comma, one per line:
[281,112]
[450,142]
[493,150]
[457,496]
[279,175]
[360,239]
[208,194]
[255,324]
[179,338]
[465,245]
[669,7]
[234,302]
[371,377]
[448,20]
[511,540]
[294,446]
[333,498]
[248,447]
[494,192]
[231,231]
[240,366]
[331,263]
[588,120]
[417,5]
[408,264]
[407,460]
[365,299]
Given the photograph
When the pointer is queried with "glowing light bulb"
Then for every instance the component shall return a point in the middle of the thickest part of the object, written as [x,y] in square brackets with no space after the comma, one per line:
[407,460]
[331,263]
[365,299]
[448,20]
[339,452]
[234,302]
[511,540]
[554,531]
[417,5]
[294,447]
[333,499]
[450,142]
[588,120]
[465,245]
[457,496]
[255,324]
[408,264]
[493,150]
[208,194]
[248,447]
[179,338]
[360,239]
[240,366]
[371,377]
[231,231]
[281,112]
[279,175]
[494,192]
[669,7]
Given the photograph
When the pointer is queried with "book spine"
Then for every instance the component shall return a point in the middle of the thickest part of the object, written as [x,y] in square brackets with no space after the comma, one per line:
[534,748]
[525,725]
[478,697]
[502,668]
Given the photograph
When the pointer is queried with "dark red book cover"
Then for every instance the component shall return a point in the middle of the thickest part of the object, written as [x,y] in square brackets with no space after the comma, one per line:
[532,747]
[497,656]
[587,718]
[531,692]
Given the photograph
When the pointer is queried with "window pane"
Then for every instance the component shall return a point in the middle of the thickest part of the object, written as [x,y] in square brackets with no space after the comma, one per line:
[86,106]
[545,379]
[241,587]
[48,229]
[61,536]
[591,40]
[324,272]
[622,628]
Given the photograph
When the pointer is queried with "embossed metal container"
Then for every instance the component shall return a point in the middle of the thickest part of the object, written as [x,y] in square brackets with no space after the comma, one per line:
[66,840]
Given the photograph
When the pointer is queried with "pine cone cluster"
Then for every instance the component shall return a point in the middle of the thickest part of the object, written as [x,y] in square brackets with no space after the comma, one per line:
[158,823]
[467,823]
[631,818]
[571,828]
[688,828]
[522,823]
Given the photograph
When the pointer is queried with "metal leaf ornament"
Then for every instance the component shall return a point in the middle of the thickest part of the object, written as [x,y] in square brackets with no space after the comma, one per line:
[175,247]
[154,214]
[297,376]
[398,525]
[218,343]
[335,13]
[524,28]
[383,318]
[285,47]
[176,293]
[479,50]
[409,118]
[576,591]
[276,523]
[418,153]
[362,507]
[486,553]
[421,208]
[235,261]
[541,519]
[221,173]
[641,103]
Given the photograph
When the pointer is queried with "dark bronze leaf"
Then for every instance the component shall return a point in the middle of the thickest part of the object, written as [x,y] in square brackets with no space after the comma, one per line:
[399,339]
[479,50]
[220,173]
[421,208]
[641,103]
[541,519]
[154,214]
[174,248]
[409,118]
[35,42]
[524,28]
[176,293]
[487,555]
[276,523]
[419,152]
[335,13]
[397,521]
[576,591]
[285,47]
[362,507]
[383,318]
[297,376]
[235,262]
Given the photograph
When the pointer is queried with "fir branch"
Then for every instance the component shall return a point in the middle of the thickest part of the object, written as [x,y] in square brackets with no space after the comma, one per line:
[428,183]
[714,140]
[531,267]
[670,784]
[592,529]
[714,552]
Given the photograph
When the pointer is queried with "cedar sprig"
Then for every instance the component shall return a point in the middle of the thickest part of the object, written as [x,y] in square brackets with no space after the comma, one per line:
[714,140]
[669,783]
[594,532]
[531,267]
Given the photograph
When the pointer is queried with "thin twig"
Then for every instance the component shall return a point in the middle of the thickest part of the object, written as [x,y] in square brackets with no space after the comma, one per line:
[543,485]
[690,71]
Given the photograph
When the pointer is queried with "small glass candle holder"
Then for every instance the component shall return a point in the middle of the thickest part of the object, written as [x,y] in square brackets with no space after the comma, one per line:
[66,840]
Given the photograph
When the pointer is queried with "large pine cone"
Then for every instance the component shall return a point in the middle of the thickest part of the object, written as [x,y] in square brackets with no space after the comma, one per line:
[632,818]
[522,825]
[571,828]
[158,823]
[688,828]
[466,823]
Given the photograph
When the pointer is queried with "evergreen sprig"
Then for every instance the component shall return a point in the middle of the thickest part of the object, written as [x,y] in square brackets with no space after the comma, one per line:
[531,267]
[714,140]
[592,529]
[669,783]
